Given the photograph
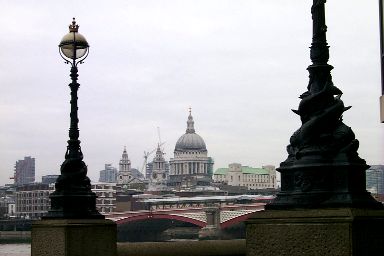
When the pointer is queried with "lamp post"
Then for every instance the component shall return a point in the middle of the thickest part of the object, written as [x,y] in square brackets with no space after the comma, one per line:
[73,198]
[323,207]
[323,168]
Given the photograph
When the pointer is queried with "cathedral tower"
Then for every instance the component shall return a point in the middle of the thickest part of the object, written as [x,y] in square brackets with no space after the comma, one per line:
[124,175]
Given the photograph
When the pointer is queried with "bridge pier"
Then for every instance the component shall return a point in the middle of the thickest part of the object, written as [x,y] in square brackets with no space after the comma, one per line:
[212,230]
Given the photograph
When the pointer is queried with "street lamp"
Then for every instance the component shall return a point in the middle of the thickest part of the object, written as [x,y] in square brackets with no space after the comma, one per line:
[323,168]
[74,47]
[73,198]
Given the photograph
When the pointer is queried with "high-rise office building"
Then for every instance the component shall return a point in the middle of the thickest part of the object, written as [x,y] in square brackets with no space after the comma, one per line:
[25,171]
[109,174]
[375,180]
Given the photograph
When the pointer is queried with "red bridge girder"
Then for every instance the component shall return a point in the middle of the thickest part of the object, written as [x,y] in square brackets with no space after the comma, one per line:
[146,216]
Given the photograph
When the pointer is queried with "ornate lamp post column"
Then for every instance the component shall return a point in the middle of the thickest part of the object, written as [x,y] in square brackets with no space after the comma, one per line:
[73,226]
[73,197]
[323,207]
[323,168]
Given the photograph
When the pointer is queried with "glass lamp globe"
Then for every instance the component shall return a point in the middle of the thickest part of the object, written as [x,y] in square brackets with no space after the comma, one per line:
[74,45]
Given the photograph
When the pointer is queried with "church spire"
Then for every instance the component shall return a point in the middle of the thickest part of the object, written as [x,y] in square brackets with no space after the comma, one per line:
[190,123]
[125,163]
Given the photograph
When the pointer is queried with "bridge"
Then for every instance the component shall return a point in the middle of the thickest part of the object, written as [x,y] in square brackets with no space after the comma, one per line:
[219,216]
[210,216]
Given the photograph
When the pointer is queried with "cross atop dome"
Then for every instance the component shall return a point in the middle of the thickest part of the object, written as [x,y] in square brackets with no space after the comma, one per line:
[190,122]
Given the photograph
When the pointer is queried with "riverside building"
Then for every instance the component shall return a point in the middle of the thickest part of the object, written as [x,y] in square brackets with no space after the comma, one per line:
[245,176]
[32,200]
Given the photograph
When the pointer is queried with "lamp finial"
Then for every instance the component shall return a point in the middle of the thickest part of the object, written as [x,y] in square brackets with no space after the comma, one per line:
[73,27]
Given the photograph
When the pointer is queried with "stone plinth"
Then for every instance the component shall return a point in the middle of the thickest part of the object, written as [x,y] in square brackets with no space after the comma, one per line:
[74,237]
[212,230]
[339,232]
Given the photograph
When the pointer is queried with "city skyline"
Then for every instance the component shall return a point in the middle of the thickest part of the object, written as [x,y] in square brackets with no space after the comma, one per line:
[240,66]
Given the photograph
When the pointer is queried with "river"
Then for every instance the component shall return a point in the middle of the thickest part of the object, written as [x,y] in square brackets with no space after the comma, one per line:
[15,249]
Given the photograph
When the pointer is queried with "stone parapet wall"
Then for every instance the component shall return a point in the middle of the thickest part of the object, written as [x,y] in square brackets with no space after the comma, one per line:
[184,248]
[325,232]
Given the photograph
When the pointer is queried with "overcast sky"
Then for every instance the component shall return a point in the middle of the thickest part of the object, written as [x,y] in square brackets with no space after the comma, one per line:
[240,65]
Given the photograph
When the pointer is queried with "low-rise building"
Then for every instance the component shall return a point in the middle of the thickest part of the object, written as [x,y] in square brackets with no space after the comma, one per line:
[49,179]
[245,176]
[106,196]
[7,207]
[32,200]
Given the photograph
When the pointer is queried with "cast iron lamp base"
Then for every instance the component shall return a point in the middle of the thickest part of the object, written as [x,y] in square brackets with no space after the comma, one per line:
[324,186]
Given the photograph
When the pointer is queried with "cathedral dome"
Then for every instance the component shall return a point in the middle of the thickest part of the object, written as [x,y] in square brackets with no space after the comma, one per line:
[190,140]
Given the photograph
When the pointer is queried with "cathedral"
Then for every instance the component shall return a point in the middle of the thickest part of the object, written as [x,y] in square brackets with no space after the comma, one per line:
[190,167]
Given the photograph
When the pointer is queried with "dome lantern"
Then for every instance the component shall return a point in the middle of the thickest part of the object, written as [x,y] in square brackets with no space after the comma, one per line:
[190,140]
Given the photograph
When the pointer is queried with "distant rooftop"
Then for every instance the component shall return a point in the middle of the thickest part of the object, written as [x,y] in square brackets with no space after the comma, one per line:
[244,170]
[204,199]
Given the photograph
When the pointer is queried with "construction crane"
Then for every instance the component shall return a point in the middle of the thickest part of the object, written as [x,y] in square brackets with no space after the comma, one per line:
[147,154]
[158,134]
[160,143]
